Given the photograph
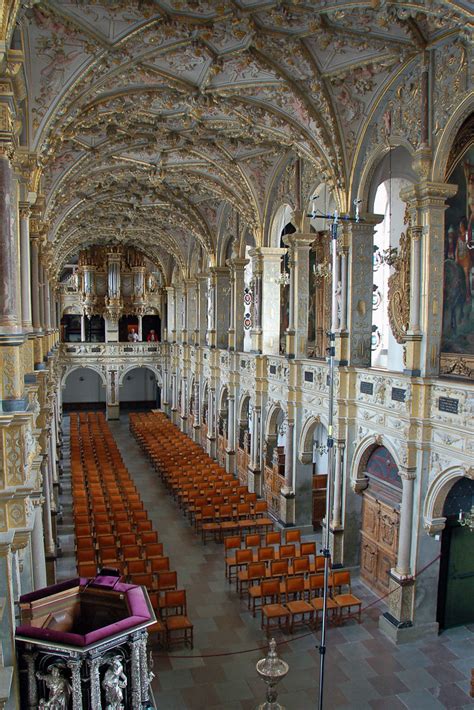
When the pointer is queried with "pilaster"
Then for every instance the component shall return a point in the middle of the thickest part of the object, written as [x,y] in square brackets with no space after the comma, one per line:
[426,204]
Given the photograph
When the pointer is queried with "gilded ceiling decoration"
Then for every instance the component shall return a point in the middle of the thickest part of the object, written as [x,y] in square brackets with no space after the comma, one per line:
[147,116]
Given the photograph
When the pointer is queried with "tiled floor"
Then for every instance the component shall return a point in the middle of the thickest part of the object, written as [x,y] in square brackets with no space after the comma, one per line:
[364,670]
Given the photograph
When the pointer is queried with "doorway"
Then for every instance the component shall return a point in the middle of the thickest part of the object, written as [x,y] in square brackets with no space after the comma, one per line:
[380,520]
[456,575]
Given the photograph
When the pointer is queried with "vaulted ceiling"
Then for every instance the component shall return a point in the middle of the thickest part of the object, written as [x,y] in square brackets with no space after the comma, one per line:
[157,121]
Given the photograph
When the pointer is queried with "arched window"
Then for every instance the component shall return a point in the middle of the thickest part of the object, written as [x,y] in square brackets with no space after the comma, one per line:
[386,352]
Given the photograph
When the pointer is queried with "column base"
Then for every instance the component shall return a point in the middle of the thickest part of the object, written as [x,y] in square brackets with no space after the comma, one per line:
[287,509]
[113,411]
[230,462]
[50,568]
[254,481]
[183,424]
[211,446]
[336,539]
[405,631]
[196,435]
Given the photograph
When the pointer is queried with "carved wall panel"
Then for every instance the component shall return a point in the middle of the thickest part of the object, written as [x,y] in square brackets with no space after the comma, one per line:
[379,542]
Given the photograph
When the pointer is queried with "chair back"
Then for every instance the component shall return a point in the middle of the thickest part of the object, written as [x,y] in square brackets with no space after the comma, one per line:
[292,536]
[243,557]
[273,538]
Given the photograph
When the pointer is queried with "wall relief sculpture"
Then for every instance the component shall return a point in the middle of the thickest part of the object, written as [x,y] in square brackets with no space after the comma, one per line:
[399,289]
[457,344]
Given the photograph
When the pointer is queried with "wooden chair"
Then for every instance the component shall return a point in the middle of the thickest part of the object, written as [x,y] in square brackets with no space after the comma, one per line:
[301,565]
[153,550]
[272,609]
[160,564]
[136,567]
[253,573]
[233,542]
[287,552]
[292,536]
[175,618]
[166,581]
[301,611]
[273,538]
[242,559]
[346,600]
[87,569]
[148,537]
[266,554]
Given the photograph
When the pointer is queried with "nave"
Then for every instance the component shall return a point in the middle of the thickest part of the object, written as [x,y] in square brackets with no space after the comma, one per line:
[364,670]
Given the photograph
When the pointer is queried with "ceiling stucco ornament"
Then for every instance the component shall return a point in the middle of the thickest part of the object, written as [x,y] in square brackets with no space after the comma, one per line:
[167,110]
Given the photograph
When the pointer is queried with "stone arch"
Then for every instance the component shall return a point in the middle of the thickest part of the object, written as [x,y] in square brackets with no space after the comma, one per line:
[306,437]
[272,417]
[433,519]
[153,369]
[364,449]
[224,393]
[71,368]
[243,402]
[282,216]
[378,155]
[204,404]
[448,136]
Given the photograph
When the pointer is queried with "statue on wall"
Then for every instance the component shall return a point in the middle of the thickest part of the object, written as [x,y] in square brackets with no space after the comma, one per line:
[114,682]
[58,687]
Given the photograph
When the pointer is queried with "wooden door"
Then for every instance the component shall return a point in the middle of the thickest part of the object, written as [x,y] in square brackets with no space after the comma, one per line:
[379,541]
[457,576]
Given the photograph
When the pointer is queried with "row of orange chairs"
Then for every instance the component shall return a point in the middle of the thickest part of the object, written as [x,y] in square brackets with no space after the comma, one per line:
[112,527]
[212,499]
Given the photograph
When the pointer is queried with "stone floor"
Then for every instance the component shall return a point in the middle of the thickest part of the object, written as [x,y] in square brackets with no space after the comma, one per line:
[364,670]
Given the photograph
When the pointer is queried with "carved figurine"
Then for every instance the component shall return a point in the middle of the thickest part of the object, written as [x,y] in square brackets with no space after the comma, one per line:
[114,682]
[59,690]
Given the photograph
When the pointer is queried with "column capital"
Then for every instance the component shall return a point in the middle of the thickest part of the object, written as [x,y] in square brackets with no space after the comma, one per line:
[428,192]
[407,474]
[237,264]
[299,239]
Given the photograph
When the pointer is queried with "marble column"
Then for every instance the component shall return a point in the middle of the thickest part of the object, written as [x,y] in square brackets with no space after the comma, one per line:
[359,238]
[267,263]
[184,404]
[83,328]
[7,617]
[47,508]
[10,318]
[401,582]
[403,567]
[237,285]
[201,326]
[171,315]
[211,423]
[25,265]
[41,295]
[196,413]
[255,483]
[299,246]
[37,548]
[34,254]
[426,204]
[191,313]
[287,495]
[222,298]
[230,451]
[140,328]
[336,530]
[46,301]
